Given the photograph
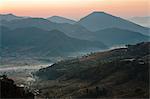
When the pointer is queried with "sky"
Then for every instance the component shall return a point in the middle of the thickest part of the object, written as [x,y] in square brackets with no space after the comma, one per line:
[75,9]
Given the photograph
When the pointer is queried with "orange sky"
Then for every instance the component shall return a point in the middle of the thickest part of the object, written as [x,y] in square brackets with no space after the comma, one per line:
[75,8]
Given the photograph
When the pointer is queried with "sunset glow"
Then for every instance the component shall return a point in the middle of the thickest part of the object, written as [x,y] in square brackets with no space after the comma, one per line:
[74,8]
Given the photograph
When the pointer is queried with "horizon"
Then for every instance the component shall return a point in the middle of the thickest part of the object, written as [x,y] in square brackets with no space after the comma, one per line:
[70,18]
[57,15]
[75,9]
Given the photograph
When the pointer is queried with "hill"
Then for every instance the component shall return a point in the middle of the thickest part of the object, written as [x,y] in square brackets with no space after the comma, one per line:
[118,73]
[72,30]
[34,41]
[100,20]
[79,32]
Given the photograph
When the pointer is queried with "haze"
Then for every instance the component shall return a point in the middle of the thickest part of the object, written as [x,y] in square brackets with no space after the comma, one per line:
[74,8]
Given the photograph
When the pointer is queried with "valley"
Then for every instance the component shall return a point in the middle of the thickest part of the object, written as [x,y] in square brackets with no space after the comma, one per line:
[98,56]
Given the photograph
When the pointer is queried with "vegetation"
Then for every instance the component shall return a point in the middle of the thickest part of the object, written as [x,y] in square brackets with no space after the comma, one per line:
[10,90]
[121,73]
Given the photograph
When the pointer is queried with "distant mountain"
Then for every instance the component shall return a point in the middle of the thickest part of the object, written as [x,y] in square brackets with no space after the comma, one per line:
[72,30]
[30,22]
[100,20]
[143,21]
[37,42]
[116,36]
[9,17]
[58,19]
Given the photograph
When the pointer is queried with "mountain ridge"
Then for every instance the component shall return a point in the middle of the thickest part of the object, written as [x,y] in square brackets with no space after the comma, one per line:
[38,41]
[59,19]
[100,20]
[9,17]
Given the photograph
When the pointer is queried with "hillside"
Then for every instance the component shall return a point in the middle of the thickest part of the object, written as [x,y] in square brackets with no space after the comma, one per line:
[37,42]
[116,36]
[118,73]
[72,30]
